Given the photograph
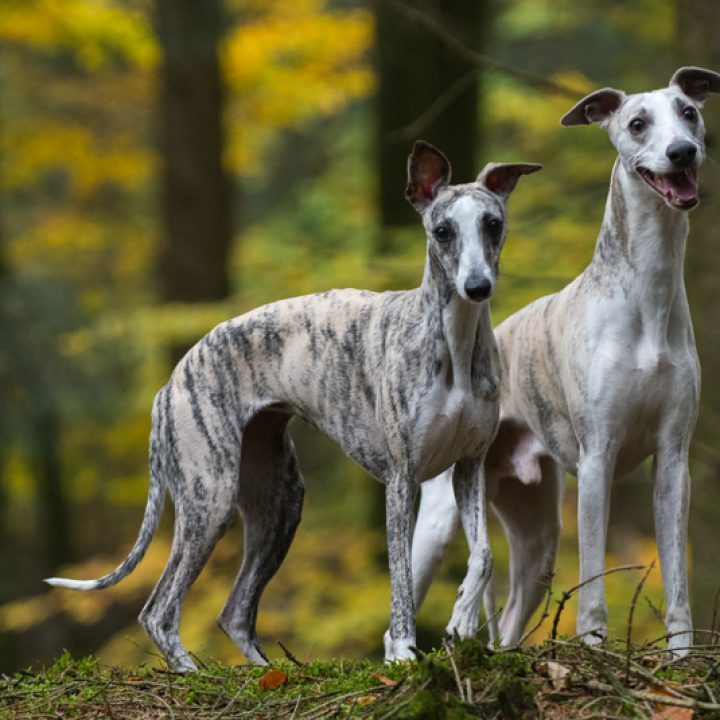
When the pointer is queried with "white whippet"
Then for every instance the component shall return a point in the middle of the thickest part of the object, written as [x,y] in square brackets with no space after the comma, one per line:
[405,382]
[600,375]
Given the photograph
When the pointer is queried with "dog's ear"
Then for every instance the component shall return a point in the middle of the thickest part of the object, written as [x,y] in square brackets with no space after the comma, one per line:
[697,83]
[594,108]
[501,178]
[428,173]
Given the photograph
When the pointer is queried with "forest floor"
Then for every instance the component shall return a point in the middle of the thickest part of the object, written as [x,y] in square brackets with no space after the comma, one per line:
[559,679]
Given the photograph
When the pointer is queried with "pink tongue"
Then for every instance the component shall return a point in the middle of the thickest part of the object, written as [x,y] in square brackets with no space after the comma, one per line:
[679,186]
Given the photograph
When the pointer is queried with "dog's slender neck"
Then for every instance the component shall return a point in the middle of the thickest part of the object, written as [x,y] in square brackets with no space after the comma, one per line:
[641,247]
[459,324]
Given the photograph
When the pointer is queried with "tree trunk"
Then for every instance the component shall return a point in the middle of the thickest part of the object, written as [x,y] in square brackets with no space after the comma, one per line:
[53,531]
[698,23]
[196,193]
[426,90]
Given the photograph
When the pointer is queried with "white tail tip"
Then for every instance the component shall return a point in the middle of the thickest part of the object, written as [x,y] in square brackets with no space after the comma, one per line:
[72,584]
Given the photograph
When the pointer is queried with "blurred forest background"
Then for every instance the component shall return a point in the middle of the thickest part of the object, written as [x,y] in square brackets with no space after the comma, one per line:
[167,164]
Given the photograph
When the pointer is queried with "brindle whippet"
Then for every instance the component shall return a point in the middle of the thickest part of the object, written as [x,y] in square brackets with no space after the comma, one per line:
[407,383]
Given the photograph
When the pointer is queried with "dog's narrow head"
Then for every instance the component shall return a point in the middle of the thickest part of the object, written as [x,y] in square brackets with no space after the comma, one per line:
[659,135]
[466,224]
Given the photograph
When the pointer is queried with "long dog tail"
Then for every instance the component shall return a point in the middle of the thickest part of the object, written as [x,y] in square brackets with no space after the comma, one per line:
[153,510]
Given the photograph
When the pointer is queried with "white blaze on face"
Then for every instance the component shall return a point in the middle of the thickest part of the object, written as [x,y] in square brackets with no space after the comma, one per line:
[672,127]
[472,260]
[662,111]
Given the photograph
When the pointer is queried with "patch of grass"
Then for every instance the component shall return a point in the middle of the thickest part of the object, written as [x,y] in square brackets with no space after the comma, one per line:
[559,679]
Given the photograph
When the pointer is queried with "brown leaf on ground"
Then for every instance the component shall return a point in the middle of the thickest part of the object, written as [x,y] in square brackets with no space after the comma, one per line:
[670,712]
[272,679]
[383,679]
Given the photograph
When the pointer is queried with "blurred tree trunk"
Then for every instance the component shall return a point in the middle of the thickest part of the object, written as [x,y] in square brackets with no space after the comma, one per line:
[4,390]
[698,26]
[196,192]
[426,91]
[53,530]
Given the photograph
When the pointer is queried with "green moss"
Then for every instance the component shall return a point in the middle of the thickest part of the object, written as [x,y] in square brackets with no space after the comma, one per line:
[502,684]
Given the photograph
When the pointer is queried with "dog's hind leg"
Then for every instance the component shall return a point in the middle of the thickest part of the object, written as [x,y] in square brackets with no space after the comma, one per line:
[530,515]
[270,502]
[438,521]
[198,527]
[469,486]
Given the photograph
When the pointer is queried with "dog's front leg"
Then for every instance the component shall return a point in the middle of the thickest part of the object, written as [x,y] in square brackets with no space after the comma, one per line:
[436,525]
[671,505]
[469,486]
[595,472]
[399,497]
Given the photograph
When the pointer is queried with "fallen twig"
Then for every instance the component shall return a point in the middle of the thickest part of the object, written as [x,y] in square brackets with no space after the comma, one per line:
[633,602]
[567,594]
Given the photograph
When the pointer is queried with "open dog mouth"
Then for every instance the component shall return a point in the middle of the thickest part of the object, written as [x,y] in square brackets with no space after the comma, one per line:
[678,189]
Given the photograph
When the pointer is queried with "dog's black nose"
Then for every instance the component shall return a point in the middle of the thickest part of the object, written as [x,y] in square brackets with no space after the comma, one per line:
[682,153]
[478,288]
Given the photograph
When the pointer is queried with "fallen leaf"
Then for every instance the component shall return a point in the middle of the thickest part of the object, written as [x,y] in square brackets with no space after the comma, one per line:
[559,675]
[671,712]
[272,679]
[383,679]
[364,699]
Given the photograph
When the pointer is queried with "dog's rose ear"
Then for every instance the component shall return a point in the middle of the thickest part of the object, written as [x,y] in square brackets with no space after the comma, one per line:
[697,83]
[594,108]
[428,173]
[501,178]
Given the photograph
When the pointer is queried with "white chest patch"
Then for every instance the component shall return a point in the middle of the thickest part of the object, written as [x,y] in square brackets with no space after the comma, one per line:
[452,426]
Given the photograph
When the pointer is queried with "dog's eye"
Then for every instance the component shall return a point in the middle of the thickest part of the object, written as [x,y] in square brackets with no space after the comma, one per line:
[637,125]
[494,226]
[442,233]
[690,114]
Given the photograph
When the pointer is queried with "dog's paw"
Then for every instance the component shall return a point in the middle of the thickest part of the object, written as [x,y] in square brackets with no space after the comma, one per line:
[594,637]
[399,649]
[680,643]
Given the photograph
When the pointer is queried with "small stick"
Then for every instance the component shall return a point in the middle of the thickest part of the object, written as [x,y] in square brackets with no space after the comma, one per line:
[545,614]
[628,648]
[715,613]
[289,655]
[655,610]
[567,594]
[656,697]
[488,621]
[458,681]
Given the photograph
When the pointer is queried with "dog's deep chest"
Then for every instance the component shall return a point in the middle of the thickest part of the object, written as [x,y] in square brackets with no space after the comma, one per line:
[641,380]
[455,421]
